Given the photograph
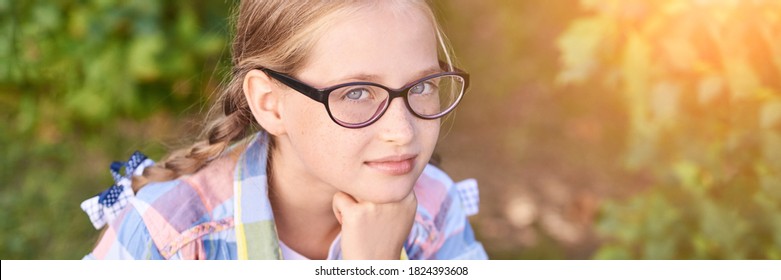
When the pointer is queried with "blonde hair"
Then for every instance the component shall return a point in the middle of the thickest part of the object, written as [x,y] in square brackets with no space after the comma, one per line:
[275,34]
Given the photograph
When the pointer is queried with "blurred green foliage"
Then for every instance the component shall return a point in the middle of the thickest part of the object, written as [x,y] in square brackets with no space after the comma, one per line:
[83,83]
[701,83]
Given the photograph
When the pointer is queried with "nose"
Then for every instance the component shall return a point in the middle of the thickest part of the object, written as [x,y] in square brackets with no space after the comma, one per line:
[397,124]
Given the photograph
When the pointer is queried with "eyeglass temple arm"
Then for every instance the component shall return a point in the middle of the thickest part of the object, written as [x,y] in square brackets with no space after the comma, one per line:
[447,66]
[291,82]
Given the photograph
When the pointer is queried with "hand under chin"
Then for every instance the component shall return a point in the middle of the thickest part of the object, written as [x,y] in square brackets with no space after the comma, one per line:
[374,230]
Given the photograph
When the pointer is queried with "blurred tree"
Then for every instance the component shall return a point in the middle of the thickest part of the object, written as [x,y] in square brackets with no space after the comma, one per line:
[701,82]
[78,80]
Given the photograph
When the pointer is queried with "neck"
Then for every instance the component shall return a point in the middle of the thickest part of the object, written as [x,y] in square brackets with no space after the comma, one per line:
[302,206]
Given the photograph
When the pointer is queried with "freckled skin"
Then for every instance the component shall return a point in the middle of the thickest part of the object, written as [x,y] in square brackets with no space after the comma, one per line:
[394,47]
[327,179]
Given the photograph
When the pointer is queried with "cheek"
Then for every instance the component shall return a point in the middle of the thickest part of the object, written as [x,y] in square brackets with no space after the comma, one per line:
[323,146]
[428,134]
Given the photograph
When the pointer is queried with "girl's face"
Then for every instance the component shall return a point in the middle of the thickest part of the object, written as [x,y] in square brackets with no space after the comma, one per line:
[392,46]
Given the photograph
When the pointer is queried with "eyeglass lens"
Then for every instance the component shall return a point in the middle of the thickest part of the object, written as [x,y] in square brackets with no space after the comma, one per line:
[361,103]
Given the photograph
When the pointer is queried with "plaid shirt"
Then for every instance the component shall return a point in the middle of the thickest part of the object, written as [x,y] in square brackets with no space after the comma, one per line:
[223,212]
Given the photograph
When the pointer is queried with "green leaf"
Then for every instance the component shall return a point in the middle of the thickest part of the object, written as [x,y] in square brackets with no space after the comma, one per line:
[688,174]
[579,46]
[723,226]
[187,25]
[27,115]
[659,249]
[143,55]
[613,252]
[771,216]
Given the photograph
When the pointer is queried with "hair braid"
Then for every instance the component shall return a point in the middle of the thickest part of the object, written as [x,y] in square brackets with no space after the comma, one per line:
[231,126]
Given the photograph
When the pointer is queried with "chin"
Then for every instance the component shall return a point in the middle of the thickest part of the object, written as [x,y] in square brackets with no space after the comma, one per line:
[386,192]
[380,188]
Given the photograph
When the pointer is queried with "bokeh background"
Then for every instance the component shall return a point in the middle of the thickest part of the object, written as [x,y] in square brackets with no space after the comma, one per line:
[597,129]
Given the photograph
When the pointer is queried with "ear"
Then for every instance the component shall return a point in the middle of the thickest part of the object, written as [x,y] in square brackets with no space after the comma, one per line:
[264,102]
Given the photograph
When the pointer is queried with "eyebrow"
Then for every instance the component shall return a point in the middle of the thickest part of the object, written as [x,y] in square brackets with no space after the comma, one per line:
[376,78]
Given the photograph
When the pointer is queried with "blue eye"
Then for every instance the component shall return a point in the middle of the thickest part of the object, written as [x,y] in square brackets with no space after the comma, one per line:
[422,88]
[357,94]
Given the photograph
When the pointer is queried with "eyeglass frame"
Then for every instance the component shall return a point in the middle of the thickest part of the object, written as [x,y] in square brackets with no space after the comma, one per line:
[321,95]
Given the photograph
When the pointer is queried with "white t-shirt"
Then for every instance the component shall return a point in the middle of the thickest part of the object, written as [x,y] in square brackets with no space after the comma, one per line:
[334,252]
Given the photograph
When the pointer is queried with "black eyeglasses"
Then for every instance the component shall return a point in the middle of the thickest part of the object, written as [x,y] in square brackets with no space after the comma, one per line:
[359,104]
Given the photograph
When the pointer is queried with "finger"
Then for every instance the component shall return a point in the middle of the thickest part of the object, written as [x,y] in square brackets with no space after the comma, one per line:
[340,203]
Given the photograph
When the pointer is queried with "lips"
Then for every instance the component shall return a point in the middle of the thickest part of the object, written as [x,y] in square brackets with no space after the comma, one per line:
[393,165]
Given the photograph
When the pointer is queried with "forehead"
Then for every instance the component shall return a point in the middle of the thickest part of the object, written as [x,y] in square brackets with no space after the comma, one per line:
[390,42]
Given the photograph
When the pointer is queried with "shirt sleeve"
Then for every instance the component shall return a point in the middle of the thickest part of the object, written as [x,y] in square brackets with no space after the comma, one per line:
[459,238]
[442,229]
[126,238]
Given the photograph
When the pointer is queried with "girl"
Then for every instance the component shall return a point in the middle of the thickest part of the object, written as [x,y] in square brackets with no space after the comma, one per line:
[346,99]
